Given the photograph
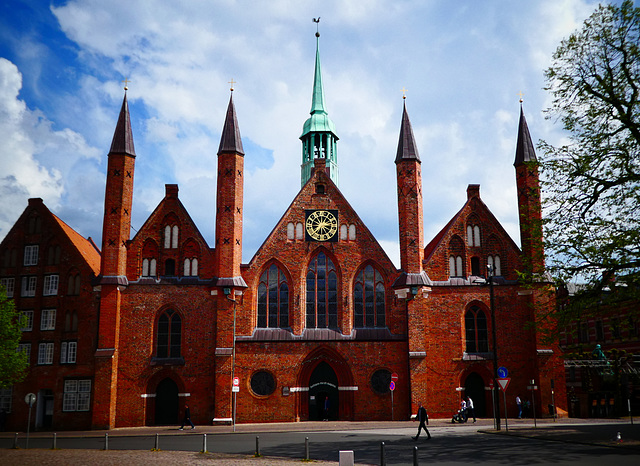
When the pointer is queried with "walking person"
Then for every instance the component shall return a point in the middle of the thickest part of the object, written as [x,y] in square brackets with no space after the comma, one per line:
[187,417]
[519,404]
[470,410]
[423,418]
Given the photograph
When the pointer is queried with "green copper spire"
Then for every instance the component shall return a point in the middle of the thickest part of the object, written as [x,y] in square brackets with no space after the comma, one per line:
[319,138]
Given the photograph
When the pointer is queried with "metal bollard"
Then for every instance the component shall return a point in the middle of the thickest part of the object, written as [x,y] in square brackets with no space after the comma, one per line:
[53,445]
[306,448]
[415,456]
[15,442]
[204,443]
[157,447]
[383,461]
[257,446]
[106,441]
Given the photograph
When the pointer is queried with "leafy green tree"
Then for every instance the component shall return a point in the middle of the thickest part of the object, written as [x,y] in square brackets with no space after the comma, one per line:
[592,183]
[13,364]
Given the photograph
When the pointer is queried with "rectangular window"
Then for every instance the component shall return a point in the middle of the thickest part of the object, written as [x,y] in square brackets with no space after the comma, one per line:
[77,395]
[48,319]
[50,285]
[28,286]
[45,353]
[28,326]
[9,285]
[5,399]
[26,348]
[68,351]
[31,255]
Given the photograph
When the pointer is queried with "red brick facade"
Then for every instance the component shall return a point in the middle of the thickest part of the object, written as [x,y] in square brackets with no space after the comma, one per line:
[319,313]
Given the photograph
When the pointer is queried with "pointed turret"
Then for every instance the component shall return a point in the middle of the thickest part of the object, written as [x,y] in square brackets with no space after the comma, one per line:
[529,201]
[410,213]
[229,199]
[525,151]
[230,141]
[122,142]
[407,149]
[319,139]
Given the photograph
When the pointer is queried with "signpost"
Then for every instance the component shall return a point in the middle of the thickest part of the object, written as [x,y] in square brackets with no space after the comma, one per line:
[533,387]
[493,401]
[504,383]
[392,387]
[235,389]
[30,399]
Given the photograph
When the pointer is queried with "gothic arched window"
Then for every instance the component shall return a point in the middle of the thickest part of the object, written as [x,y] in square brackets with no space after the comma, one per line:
[273,299]
[322,293]
[169,335]
[369,299]
[477,336]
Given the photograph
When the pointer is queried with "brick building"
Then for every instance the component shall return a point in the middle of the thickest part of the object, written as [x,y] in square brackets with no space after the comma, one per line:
[316,323]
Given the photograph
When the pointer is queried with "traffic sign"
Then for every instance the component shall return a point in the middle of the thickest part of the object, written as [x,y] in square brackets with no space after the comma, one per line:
[490,384]
[394,377]
[504,383]
[30,399]
[503,373]
[392,386]
[236,381]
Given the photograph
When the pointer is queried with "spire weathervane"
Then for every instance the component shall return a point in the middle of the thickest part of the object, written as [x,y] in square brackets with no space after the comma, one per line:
[520,94]
[232,82]
[404,93]
[126,81]
[317,21]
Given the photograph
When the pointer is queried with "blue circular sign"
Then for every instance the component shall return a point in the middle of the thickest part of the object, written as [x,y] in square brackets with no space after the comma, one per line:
[503,373]
[392,386]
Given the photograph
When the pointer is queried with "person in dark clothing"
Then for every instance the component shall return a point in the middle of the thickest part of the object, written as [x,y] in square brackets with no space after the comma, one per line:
[325,411]
[187,417]
[423,418]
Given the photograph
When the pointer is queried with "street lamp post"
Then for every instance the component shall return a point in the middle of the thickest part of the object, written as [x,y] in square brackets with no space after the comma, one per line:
[496,396]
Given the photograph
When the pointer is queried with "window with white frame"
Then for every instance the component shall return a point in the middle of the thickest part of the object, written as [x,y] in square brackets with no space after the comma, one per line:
[455,266]
[48,319]
[171,237]
[45,353]
[26,349]
[352,232]
[191,267]
[50,285]
[148,267]
[9,285]
[291,230]
[494,263]
[28,325]
[299,231]
[5,399]
[77,395]
[31,255]
[28,286]
[68,352]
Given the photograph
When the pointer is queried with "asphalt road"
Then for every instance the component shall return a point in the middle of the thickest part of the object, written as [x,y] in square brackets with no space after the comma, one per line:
[449,445]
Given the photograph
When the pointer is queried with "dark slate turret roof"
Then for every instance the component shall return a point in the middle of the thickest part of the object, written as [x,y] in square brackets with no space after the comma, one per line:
[230,141]
[525,151]
[122,142]
[407,149]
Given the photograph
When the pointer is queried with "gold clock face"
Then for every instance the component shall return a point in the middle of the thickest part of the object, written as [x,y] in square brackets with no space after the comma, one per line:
[321,225]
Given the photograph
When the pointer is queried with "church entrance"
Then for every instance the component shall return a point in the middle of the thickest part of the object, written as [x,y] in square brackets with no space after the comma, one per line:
[474,387]
[323,394]
[166,403]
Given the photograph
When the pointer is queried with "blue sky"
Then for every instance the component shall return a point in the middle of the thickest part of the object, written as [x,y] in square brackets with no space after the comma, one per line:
[463,64]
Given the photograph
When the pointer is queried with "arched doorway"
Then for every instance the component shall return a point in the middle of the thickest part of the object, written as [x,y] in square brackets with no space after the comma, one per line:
[166,403]
[323,392]
[474,387]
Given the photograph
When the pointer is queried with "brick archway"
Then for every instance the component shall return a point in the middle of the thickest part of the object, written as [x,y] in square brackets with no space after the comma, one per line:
[340,368]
